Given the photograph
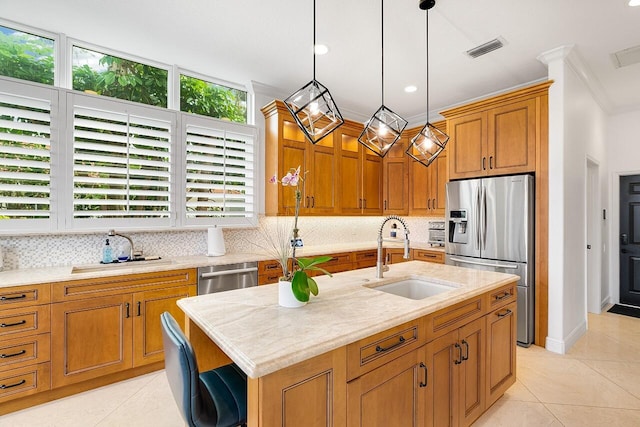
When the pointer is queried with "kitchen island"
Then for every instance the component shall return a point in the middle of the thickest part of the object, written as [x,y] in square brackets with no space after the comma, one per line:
[358,356]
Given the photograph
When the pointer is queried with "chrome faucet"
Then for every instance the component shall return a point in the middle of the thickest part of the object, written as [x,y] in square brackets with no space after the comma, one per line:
[113,233]
[380,268]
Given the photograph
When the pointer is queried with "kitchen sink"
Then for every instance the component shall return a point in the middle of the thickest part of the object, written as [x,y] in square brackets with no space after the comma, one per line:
[415,288]
[120,265]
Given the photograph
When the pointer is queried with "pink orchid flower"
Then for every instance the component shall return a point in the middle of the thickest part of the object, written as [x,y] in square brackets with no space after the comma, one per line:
[291,178]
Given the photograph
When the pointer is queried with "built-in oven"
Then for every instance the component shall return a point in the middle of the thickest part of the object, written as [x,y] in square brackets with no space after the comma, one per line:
[436,233]
[219,278]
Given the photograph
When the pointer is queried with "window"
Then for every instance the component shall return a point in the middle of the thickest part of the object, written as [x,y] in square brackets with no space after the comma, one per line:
[121,160]
[109,75]
[209,99]
[219,181]
[26,56]
[25,153]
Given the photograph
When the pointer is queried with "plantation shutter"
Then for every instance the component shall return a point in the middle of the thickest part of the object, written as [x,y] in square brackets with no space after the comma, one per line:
[25,156]
[220,167]
[121,162]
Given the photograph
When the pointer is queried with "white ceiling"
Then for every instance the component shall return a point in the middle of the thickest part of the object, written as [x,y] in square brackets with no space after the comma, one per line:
[269,42]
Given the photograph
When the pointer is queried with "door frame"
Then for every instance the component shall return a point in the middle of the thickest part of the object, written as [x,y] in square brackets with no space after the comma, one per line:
[593,237]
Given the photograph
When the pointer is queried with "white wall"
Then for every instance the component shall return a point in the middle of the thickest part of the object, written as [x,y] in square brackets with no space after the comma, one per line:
[577,128]
[624,159]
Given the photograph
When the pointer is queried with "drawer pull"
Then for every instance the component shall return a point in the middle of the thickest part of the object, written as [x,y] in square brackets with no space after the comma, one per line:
[271,266]
[4,386]
[391,347]
[6,356]
[426,373]
[505,314]
[428,255]
[8,325]
[371,255]
[3,298]
[503,296]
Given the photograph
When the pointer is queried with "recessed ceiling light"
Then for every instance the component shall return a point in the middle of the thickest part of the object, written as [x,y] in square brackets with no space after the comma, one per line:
[410,89]
[634,2]
[320,49]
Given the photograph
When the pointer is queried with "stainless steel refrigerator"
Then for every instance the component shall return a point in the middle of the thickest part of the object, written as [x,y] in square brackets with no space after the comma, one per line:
[489,225]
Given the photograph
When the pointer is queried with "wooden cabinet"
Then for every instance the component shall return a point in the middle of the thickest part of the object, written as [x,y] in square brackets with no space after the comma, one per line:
[360,173]
[428,255]
[428,184]
[395,191]
[495,137]
[501,357]
[107,325]
[364,259]
[286,147]
[24,341]
[395,255]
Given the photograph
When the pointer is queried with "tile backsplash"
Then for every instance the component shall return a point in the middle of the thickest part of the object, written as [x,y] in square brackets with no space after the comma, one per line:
[69,249]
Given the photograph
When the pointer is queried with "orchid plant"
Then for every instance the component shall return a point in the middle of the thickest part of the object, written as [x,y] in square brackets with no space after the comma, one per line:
[301,284]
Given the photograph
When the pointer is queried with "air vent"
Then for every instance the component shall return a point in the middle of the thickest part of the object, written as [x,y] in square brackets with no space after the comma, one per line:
[487,47]
[626,57]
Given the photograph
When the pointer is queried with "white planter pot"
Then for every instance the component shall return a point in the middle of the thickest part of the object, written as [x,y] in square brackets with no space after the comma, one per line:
[286,297]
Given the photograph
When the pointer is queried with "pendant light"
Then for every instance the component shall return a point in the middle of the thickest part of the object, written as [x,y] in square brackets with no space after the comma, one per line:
[430,142]
[312,106]
[383,129]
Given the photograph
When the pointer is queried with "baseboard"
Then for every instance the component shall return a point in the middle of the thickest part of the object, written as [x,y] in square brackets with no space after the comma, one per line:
[561,346]
[605,303]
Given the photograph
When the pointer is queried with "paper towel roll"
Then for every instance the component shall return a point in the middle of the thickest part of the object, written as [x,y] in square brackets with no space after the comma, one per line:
[215,242]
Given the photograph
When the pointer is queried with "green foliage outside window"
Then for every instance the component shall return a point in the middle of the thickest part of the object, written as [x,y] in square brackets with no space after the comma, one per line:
[201,97]
[25,56]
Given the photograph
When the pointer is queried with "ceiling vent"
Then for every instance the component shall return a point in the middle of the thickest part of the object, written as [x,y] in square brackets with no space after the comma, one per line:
[626,57]
[487,47]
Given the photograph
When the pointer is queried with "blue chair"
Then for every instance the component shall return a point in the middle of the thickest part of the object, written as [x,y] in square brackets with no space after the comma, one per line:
[216,398]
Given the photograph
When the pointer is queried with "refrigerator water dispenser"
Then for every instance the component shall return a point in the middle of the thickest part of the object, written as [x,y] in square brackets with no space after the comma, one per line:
[458,227]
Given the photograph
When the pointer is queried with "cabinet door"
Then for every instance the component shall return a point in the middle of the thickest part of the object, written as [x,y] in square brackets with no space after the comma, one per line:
[395,255]
[419,185]
[438,184]
[467,146]
[441,356]
[396,180]
[350,172]
[371,183]
[511,143]
[147,333]
[294,154]
[92,338]
[501,351]
[390,395]
[322,179]
[471,388]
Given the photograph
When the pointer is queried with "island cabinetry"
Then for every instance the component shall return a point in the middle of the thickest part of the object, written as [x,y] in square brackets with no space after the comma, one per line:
[286,147]
[24,341]
[501,357]
[396,179]
[428,255]
[428,184]
[107,325]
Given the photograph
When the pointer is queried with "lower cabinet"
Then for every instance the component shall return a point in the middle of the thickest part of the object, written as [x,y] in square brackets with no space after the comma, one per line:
[502,330]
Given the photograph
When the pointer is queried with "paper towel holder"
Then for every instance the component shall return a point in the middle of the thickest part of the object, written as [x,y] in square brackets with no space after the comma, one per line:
[215,241]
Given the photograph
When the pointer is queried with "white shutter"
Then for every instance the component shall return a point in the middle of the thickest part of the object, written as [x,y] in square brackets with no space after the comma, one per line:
[121,161]
[220,171]
[25,156]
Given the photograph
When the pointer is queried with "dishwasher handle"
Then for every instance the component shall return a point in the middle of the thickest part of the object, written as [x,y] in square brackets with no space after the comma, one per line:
[228,272]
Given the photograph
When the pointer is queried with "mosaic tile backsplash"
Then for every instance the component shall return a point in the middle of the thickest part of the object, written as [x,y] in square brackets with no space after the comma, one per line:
[71,249]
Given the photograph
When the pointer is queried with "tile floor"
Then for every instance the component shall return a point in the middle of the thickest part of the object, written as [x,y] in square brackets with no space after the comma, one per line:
[596,384]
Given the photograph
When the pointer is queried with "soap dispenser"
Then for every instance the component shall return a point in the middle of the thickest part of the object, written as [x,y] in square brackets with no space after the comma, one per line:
[107,253]
[394,231]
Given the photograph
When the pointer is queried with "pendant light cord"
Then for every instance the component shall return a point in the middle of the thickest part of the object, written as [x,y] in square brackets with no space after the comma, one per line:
[314,40]
[426,32]
[382,44]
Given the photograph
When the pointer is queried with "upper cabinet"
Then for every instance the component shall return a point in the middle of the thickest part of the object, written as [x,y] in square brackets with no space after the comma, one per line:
[287,148]
[497,136]
[427,185]
[395,190]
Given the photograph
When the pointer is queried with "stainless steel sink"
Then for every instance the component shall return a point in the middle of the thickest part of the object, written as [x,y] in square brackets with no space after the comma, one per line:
[415,288]
[120,265]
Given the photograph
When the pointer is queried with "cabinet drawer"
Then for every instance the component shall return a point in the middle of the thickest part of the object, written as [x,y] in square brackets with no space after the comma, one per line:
[374,351]
[118,285]
[21,296]
[429,256]
[450,318]
[336,259]
[18,352]
[267,278]
[25,321]
[269,267]
[25,381]
[503,296]
[366,255]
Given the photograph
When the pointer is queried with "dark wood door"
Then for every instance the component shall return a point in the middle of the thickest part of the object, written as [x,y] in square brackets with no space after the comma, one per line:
[630,240]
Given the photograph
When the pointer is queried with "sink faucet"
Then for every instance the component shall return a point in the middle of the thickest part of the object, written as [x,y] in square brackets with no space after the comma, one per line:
[380,268]
[113,233]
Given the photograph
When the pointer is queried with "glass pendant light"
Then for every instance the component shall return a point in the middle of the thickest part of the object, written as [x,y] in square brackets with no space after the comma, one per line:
[383,129]
[430,141]
[312,106]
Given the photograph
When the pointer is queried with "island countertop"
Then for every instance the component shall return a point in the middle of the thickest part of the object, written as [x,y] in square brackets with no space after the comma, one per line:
[261,337]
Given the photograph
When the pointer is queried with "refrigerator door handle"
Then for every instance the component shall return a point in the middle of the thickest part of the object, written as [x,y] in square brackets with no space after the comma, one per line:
[484,219]
[476,218]
[488,264]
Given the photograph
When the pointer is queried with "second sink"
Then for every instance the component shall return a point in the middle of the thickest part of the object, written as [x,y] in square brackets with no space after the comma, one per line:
[414,288]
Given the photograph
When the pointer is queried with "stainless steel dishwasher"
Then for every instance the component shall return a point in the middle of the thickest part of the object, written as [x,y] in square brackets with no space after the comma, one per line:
[219,278]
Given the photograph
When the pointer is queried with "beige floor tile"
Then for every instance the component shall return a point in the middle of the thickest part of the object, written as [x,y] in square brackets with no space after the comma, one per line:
[511,413]
[151,406]
[519,392]
[583,416]
[625,374]
[571,382]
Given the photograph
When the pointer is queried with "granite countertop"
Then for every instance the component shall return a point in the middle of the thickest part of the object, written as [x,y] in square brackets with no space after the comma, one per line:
[31,276]
[261,337]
